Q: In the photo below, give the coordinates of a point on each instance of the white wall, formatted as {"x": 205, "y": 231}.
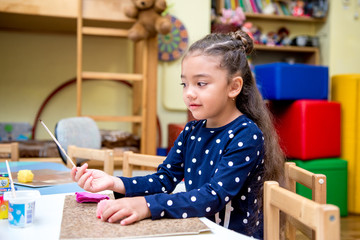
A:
{"x": 344, "y": 37}
{"x": 33, "y": 64}
{"x": 195, "y": 15}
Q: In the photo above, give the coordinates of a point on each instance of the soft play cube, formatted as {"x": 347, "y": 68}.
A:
{"x": 335, "y": 170}
{"x": 283, "y": 81}
{"x": 308, "y": 129}
{"x": 345, "y": 89}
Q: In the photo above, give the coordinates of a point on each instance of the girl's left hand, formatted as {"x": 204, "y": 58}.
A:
{"x": 125, "y": 210}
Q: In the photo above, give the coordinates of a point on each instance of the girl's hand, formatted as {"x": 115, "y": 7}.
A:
{"x": 93, "y": 180}
{"x": 125, "y": 210}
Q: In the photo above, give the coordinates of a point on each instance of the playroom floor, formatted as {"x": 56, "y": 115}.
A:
{"x": 350, "y": 227}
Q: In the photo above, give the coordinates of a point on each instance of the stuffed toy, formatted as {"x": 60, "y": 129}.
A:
{"x": 298, "y": 9}
{"x": 149, "y": 21}
{"x": 235, "y": 17}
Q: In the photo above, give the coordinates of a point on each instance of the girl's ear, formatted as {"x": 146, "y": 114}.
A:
{"x": 235, "y": 86}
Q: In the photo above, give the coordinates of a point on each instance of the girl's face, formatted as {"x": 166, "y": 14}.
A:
{"x": 206, "y": 92}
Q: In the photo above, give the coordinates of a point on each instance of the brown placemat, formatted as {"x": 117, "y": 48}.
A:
{"x": 79, "y": 222}
{"x": 45, "y": 177}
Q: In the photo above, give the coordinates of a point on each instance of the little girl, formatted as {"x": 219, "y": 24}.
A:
{"x": 224, "y": 158}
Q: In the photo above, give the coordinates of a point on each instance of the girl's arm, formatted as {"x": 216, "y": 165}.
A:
{"x": 168, "y": 175}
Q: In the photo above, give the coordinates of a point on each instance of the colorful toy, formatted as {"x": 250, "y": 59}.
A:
{"x": 235, "y": 17}
{"x": 308, "y": 129}
{"x": 4, "y": 206}
{"x": 269, "y": 8}
{"x": 275, "y": 85}
{"x": 298, "y": 9}
{"x": 336, "y": 171}
{"x": 283, "y": 36}
{"x": 271, "y": 38}
{"x": 247, "y": 27}
{"x": 149, "y": 21}
{"x": 25, "y": 176}
{"x": 345, "y": 89}
{"x": 4, "y": 187}
{"x": 173, "y": 45}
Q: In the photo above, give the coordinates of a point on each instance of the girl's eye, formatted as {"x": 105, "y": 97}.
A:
{"x": 201, "y": 84}
{"x": 183, "y": 84}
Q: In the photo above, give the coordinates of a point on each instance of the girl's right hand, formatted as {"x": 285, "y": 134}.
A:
{"x": 94, "y": 180}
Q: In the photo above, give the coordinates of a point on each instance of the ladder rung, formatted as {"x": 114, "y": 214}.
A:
{"x": 136, "y": 119}
{"x": 115, "y": 76}
{"x": 105, "y": 31}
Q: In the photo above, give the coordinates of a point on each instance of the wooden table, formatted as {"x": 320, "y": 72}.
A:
{"x": 48, "y": 217}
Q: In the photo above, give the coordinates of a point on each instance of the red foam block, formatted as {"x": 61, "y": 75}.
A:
{"x": 174, "y": 129}
{"x": 308, "y": 129}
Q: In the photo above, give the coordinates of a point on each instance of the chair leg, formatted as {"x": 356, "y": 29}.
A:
{"x": 127, "y": 171}
{"x": 109, "y": 163}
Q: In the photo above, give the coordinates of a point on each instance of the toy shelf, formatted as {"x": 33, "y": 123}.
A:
{"x": 297, "y": 26}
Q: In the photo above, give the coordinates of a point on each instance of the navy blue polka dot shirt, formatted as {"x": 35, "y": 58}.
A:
{"x": 222, "y": 169}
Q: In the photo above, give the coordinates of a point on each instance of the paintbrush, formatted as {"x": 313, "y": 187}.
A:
{"x": 11, "y": 180}
{"x": 57, "y": 143}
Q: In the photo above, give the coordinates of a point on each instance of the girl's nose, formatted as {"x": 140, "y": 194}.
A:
{"x": 190, "y": 93}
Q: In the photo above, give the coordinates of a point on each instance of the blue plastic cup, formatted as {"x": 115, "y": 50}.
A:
{"x": 22, "y": 207}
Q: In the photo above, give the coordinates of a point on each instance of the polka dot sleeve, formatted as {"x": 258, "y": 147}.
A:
{"x": 168, "y": 175}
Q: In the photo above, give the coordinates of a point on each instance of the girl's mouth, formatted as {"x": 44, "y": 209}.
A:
{"x": 194, "y": 106}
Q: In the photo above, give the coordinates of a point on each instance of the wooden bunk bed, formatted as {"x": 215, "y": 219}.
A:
{"x": 144, "y": 77}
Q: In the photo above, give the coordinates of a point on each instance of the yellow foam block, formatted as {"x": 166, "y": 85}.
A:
{"x": 25, "y": 176}
{"x": 345, "y": 90}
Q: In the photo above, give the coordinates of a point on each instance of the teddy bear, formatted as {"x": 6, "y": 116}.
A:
{"x": 148, "y": 17}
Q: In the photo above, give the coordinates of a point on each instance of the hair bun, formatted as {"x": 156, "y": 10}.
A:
{"x": 246, "y": 41}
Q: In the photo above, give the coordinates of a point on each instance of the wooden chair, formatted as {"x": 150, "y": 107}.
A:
{"x": 107, "y": 156}
{"x": 135, "y": 159}
{"x": 324, "y": 219}
{"x": 12, "y": 149}
{"x": 315, "y": 182}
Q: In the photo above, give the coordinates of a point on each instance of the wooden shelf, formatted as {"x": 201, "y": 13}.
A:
{"x": 266, "y": 54}
{"x": 286, "y": 48}
{"x": 273, "y": 17}
{"x": 60, "y": 15}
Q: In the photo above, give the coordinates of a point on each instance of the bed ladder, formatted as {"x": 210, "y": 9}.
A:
{"x": 141, "y": 119}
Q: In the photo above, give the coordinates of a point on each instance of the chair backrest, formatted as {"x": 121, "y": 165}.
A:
{"x": 324, "y": 219}
{"x": 82, "y": 132}
{"x": 315, "y": 182}
{"x": 135, "y": 159}
{"x": 12, "y": 149}
{"x": 106, "y": 156}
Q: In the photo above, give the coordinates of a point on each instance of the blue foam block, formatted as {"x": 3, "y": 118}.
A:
{"x": 283, "y": 81}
